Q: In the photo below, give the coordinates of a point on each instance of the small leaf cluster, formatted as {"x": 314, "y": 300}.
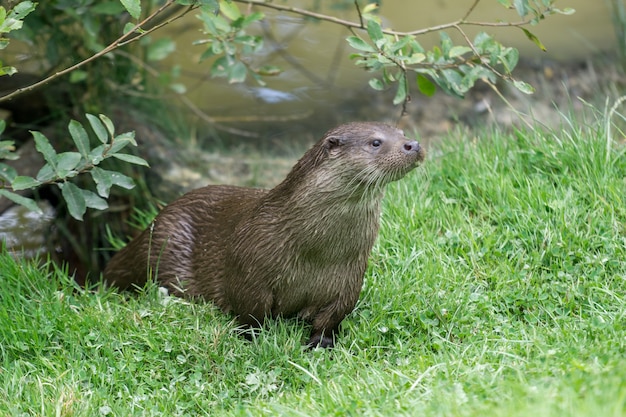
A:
{"x": 61, "y": 167}
{"x": 537, "y": 9}
{"x": 229, "y": 43}
{"x": 453, "y": 68}
{"x": 13, "y": 20}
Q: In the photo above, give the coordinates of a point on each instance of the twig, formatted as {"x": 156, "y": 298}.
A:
{"x": 477, "y": 54}
{"x": 508, "y": 103}
{"x": 358, "y": 10}
{"x": 350, "y": 24}
{"x": 470, "y": 10}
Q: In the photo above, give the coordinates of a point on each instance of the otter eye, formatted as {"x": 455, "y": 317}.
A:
{"x": 376, "y": 143}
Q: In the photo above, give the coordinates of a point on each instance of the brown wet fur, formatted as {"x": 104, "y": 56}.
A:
{"x": 300, "y": 249}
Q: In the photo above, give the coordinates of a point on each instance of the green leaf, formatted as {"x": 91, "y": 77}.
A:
{"x": 524, "y": 87}
{"x": 178, "y": 88}
{"x": 269, "y": 70}
{"x": 510, "y": 59}
{"x": 93, "y": 201}
{"x": 425, "y": 86}
{"x": 46, "y": 174}
{"x": 130, "y": 158}
{"x": 7, "y": 173}
{"x": 374, "y": 30}
{"x": 103, "y": 180}
{"x": 389, "y": 77}
{"x": 22, "y": 183}
{"x": 129, "y": 27}
{"x": 77, "y": 76}
{"x": 376, "y": 84}
{"x": 230, "y": 10}
{"x": 401, "y": 92}
{"x": 7, "y": 150}
{"x": 160, "y": 49}
{"x": 415, "y": 58}
{"x": 120, "y": 142}
{"x": 369, "y": 8}
{"x": 96, "y": 155}
{"x": 108, "y": 123}
{"x": 457, "y": 51}
{"x": 403, "y": 42}
{"x": 251, "y": 18}
{"x": 446, "y": 43}
{"x": 452, "y": 76}
{"x": 220, "y": 67}
{"x": 521, "y": 6}
{"x": 73, "y": 196}
{"x": 237, "y": 73}
{"x": 14, "y": 19}
{"x": 67, "y": 162}
{"x": 4, "y": 70}
{"x": 43, "y": 146}
{"x": 98, "y": 128}
{"x": 505, "y": 3}
{"x": 449, "y": 81}
{"x": 359, "y": 44}
{"x": 534, "y": 39}
{"x": 567, "y": 11}
{"x": 80, "y": 137}
{"x": 211, "y": 6}
{"x": 107, "y": 8}
{"x": 22, "y": 9}
{"x": 133, "y": 7}
{"x": 18, "y": 199}
{"x": 122, "y": 180}
{"x": 129, "y": 136}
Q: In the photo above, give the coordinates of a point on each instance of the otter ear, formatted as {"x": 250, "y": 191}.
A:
{"x": 333, "y": 142}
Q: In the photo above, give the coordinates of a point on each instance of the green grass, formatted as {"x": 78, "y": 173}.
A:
{"x": 497, "y": 288}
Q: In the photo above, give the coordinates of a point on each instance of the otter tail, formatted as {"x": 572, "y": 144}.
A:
{"x": 130, "y": 267}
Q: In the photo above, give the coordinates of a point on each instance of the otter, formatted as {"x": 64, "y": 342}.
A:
{"x": 299, "y": 249}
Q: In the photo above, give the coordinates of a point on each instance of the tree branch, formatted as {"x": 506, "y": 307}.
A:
{"x": 355, "y": 25}
{"x": 137, "y": 32}
{"x": 121, "y": 41}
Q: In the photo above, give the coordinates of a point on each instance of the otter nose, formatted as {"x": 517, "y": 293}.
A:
{"x": 412, "y": 146}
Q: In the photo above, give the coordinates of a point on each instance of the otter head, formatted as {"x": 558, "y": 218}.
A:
{"x": 353, "y": 158}
{"x": 372, "y": 154}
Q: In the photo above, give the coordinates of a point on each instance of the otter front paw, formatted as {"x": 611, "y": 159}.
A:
{"x": 321, "y": 340}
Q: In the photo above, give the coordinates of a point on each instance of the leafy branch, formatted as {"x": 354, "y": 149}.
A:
{"x": 522, "y": 7}
{"x": 13, "y": 20}
{"x": 230, "y": 45}
{"x": 132, "y": 34}
{"x": 454, "y": 68}
{"x": 60, "y": 167}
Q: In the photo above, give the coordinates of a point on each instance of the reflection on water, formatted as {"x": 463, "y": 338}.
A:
{"x": 269, "y": 95}
{"x": 24, "y": 232}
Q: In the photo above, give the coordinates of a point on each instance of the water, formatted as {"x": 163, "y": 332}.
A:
{"x": 25, "y": 232}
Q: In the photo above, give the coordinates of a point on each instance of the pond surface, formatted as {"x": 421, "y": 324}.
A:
{"x": 325, "y": 75}
{"x": 25, "y": 232}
